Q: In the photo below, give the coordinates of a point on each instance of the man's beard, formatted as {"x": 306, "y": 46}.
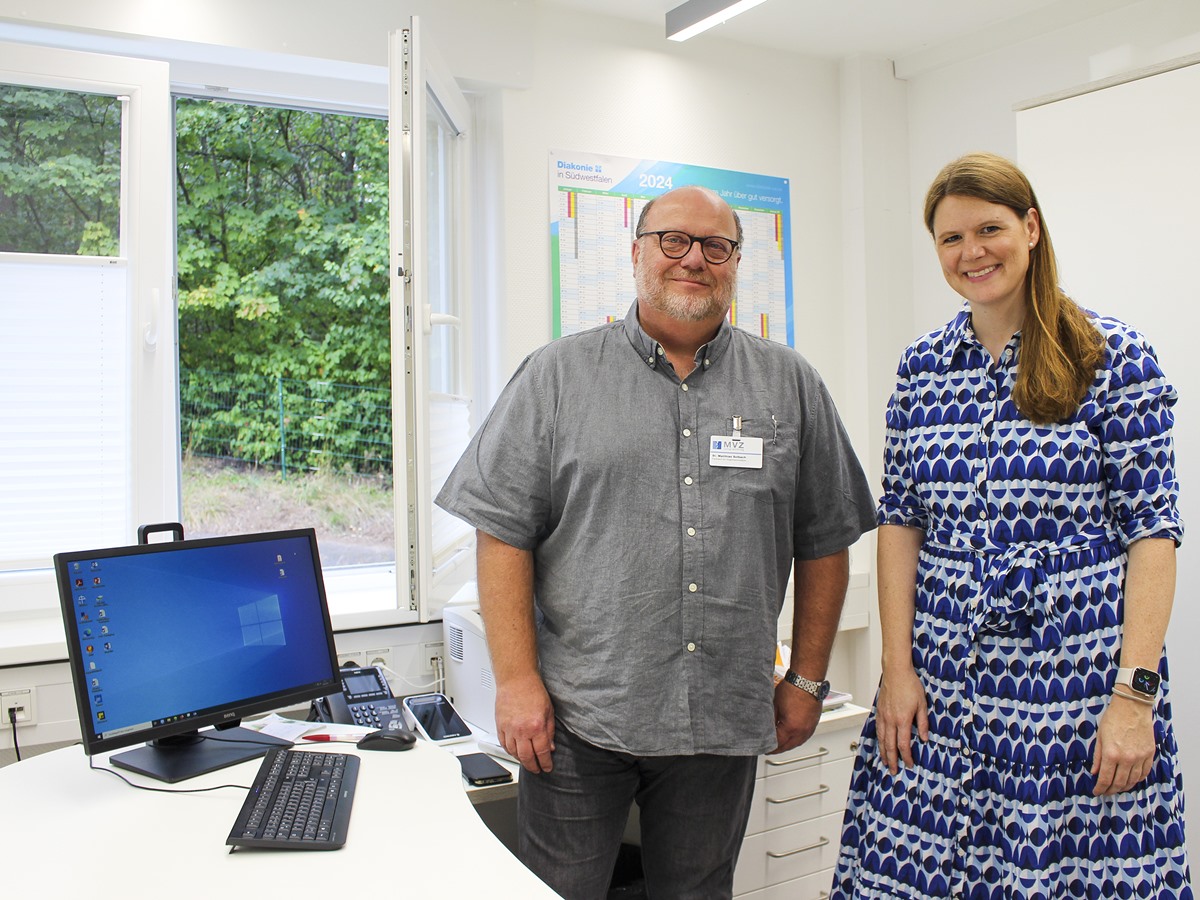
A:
{"x": 655, "y": 290}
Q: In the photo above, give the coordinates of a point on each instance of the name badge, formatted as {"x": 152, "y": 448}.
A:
{"x": 735, "y": 452}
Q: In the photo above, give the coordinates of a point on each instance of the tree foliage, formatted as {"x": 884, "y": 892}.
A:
{"x": 283, "y": 243}
{"x": 282, "y": 236}
{"x": 60, "y": 171}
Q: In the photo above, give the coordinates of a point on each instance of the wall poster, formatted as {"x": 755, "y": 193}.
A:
{"x": 595, "y": 202}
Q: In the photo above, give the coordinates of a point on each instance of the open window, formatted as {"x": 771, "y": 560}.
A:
{"x": 421, "y": 405}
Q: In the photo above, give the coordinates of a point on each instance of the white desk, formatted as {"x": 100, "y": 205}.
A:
{"x": 76, "y": 833}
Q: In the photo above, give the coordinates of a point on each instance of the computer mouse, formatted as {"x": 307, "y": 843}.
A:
{"x": 388, "y": 740}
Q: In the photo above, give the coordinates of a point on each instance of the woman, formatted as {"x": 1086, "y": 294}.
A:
{"x": 1021, "y": 742}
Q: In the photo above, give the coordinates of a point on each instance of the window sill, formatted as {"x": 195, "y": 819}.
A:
{"x": 32, "y": 638}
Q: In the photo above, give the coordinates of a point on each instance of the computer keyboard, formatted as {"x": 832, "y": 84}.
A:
{"x": 300, "y": 800}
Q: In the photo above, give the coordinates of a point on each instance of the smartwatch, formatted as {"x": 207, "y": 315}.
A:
{"x": 819, "y": 689}
{"x": 1139, "y": 680}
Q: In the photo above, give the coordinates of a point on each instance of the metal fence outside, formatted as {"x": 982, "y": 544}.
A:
{"x": 291, "y": 424}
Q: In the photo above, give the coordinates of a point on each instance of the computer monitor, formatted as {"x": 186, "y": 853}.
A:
{"x": 167, "y": 639}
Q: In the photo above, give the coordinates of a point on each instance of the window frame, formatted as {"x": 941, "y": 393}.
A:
{"x": 146, "y": 244}
{"x": 419, "y": 77}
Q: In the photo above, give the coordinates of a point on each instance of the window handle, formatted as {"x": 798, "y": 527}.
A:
{"x": 432, "y": 318}
{"x": 150, "y": 327}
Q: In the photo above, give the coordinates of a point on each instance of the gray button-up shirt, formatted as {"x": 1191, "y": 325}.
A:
{"x": 659, "y": 577}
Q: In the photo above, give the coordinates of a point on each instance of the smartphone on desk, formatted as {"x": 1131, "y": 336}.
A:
{"x": 435, "y": 719}
{"x": 480, "y": 769}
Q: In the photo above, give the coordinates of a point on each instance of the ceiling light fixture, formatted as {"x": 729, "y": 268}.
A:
{"x": 695, "y": 16}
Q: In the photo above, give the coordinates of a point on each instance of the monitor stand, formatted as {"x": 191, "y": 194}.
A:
{"x": 195, "y": 753}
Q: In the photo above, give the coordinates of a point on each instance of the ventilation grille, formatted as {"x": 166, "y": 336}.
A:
{"x": 456, "y": 643}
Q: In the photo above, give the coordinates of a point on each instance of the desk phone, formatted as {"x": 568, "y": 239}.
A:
{"x": 365, "y": 700}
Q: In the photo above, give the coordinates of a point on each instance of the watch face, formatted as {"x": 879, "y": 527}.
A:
{"x": 1145, "y": 681}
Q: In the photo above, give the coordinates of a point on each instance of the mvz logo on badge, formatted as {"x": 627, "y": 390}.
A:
{"x": 731, "y": 444}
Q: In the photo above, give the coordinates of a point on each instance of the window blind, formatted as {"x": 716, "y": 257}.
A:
{"x": 64, "y": 406}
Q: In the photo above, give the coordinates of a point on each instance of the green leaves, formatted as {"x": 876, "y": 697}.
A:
{"x": 283, "y": 243}
{"x": 60, "y": 171}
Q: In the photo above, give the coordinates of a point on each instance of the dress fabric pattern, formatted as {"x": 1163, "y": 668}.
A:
{"x": 1017, "y": 636}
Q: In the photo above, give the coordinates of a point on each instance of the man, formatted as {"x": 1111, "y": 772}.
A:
{"x": 641, "y": 491}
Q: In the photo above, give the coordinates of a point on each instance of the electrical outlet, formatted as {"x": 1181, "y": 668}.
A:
{"x": 380, "y": 657}
{"x": 22, "y": 700}
{"x": 430, "y": 651}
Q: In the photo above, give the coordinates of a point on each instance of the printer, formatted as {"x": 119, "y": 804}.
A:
{"x": 469, "y": 681}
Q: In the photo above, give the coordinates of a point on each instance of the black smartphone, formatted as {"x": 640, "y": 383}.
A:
{"x": 480, "y": 769}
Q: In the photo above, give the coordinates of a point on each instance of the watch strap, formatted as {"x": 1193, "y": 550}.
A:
{"x": 819, "y": 689}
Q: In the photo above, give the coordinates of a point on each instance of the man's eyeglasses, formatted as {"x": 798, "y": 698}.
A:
{"x": 678, "y": 244}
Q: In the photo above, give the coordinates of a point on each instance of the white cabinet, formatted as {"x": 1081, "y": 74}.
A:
{"x": 795, "y": 825}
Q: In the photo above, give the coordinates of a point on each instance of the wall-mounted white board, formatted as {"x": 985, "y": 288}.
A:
{"x": 1117, "y": 172}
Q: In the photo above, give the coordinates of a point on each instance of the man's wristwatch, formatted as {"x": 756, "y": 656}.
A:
{"x": 1140, "y": 681}
{"x": 819, "y": 689}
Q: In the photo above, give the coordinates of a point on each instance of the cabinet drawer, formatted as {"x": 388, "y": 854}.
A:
{"x": 790, "y": 796}
{"x": 783, "y": 854}
{"x": 827, "y": 745}
{"x": 809, "y": 887}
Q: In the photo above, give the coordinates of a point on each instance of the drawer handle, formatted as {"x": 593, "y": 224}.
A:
{"x": 817, "y": 846}
{"x": 799, "y": 759}
{"x": 823, "y": 789}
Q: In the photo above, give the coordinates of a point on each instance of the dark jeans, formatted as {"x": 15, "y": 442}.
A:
{"x": 693, "y": 814}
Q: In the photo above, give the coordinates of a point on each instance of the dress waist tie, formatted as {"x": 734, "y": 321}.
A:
{"x": 1016, "y": 598}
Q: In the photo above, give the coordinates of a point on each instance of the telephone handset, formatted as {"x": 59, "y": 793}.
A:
{"x": 365, "y": 699}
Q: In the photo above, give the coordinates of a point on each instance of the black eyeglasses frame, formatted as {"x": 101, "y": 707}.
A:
{"x": 733, "y": 245}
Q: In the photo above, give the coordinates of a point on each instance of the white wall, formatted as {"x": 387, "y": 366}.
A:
{"x": 597, "y": 86}
{"x": 969, "y": 105}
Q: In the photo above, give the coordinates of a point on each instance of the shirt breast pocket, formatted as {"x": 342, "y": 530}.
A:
{"x": 775, "y": 482}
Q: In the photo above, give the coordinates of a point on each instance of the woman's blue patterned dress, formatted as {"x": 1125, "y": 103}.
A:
{"x": 1017, "y": 635}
